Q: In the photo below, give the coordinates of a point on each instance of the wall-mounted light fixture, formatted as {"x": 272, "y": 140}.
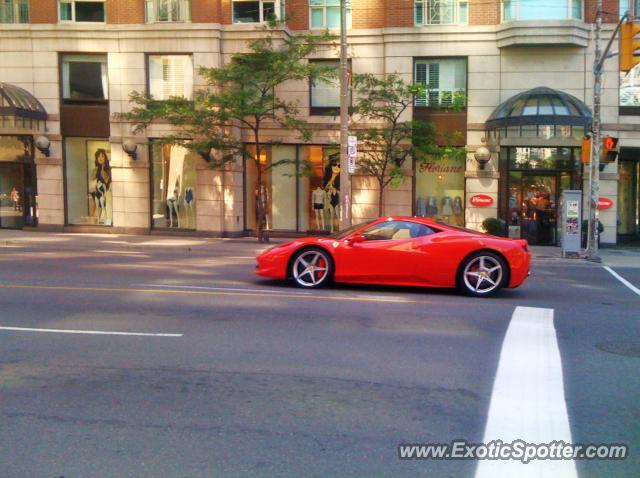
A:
{"x": 483, "y": 156}
{"x": 43, "y": 144}
{"x": 130, "y": 147}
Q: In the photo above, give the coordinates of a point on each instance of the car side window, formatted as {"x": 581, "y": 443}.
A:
{"x": 396, "y": 230}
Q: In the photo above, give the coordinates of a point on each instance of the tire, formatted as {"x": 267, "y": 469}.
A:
{"x": 482, "y": 274}
{"x": 311, "y": 268}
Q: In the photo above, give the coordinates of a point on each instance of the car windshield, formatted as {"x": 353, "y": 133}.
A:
{"x": 346, "y": 232}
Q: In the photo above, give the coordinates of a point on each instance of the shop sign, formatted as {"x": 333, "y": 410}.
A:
{"x": 604, "y": 203}
{"x": 481, "y": 200}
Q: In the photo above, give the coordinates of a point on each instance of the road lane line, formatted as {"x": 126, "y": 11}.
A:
{"x": 622, "y": 279}
{"x": 215, "y": 293}
{"x": 87, "y": 332}
{"x": 528, "y": 402}
{"x": 266, "y": 291}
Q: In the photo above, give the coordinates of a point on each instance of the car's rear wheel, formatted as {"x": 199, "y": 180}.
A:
{"x": 482, "y": 274}
{"x": 311, "y": 268}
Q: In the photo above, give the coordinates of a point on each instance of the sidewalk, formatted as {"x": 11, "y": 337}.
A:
{"x": 618, "y": 256}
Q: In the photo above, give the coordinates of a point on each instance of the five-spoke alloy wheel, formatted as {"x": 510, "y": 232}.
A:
{"x": 311, "y": 268}
{"x": 482, "y": 274}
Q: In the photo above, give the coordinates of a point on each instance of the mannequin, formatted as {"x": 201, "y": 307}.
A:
{"x": 447, "y": 207}
{"x": 333, "y": 196}
{"x": 317, "y": 200}
{"x": 101, "y": 182}
{"x": 432, "y": 206}
{"x": 189, "y": 198}
{"x": 172, "y": 204}
{"x": 421, "y": 206}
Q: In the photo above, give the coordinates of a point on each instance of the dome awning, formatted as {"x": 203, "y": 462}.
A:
{"x": 540, "y": 106}
{"x": 18, "y": 102}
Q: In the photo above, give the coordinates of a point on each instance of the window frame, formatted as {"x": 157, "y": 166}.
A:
{"x": 73, "y": 11}
{"x": 71, "y": 101}
{"x": 183, "y": 5}
{"x": 349, "y": 14}
{"x": 148, "y": 72}
{"x": 424, "y": 6}
{"x": 16, "y": 9}
{"x": 326, "y": 110}
{"x": 278, "y": 8}
{"x": 428, "y": 60}
{"x": 516, "y": 15}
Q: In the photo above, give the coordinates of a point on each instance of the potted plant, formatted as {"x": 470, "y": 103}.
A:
{"x": 494, "y": 226}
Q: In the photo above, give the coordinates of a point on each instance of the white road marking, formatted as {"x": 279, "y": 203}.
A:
{"x": 105, "y": 251}
{"x": 230, "y": 289}
{"x": 88, "y": 332}
{"x": 528, "y": 402}
{"x": 622, "y": 279}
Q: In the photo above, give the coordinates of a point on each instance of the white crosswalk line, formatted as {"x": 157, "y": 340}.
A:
{"x": 528, "y": 402}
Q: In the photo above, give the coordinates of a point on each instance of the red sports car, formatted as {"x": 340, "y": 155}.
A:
{"x": 405, "y": 251}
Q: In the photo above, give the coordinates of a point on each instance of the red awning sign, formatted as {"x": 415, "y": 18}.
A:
{"x": 481, "y": 200}
{"x": 604, "y": 203}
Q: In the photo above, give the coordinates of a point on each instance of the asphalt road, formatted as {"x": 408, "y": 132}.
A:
{"x": 262, "y": 379}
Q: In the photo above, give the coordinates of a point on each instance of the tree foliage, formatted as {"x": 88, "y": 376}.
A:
{"x": 243, "y": 93}
{"x": 387, "y": 138}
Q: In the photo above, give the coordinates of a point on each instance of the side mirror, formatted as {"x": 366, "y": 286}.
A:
{"x": 356, "y": 239}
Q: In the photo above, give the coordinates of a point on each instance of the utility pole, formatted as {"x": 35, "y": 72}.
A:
{"x": 345, "y": 181}
{"x": 591, "y": 253}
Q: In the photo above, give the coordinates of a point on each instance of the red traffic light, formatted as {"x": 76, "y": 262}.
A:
{"x": 609, "y": 142}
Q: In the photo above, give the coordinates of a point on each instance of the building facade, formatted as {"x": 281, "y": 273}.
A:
{"x": 523, "y": 67}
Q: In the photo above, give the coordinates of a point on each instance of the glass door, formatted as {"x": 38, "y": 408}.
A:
{"x": 539, "y": 208}
{"x": 628, "y": 199}
{"x": 11, "y": 196}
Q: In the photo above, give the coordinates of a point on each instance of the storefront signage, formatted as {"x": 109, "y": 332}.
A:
{"x": 481, "y": 200}
{"x": 604, "y": 203}
{"x": 440, "y": 167}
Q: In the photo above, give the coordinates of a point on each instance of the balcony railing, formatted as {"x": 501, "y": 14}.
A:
{"x": 14, "y": 11}
{"x": 167, "y": 10}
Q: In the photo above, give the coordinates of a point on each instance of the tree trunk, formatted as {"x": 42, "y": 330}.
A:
{"x": 261, "y": 198}
{"x": 381, "y": 201}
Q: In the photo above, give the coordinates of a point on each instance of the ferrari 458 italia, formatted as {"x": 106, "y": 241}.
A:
{"x": 402, "y": 251}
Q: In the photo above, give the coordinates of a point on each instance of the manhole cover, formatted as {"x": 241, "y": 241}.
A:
{"x": 627, "y": 349}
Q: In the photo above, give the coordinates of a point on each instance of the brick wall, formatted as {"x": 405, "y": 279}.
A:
{"x": 205, "y": 11}
{"x": 484, "y": 12}
{"x": 399, "y": 13}
{"x": 609, "y": 7}
{"x": 43, "y": 11}
{"x": 125, "y": 12}
{"x": 368, "y": 13}
{"x": 298, "y": 14}
{"x": 225, "y": 12}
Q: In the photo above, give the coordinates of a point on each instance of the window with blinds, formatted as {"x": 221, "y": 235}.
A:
{"x": 167, "y": 10}
{"x": 445, "y": 81}
{"x": 325, "y": 94}
{"x": 170, "y": 76}
{"x": 441, "y": 12}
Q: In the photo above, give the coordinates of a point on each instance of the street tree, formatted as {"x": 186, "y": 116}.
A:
{"x": 386, "y": 137}
{"x": 242, "y": 94}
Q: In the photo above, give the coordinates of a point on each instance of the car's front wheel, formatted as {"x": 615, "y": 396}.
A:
{"x": 482, "y": 274}
{"x": 311, "y": 268}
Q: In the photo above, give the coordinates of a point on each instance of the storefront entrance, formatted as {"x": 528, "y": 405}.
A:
{"x": 17, "y": 183}
{"x": 628, "y": 200}
{"x": 537, "y": 178}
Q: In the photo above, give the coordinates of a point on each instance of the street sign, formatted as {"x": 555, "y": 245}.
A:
{"x": 352, "y": 153}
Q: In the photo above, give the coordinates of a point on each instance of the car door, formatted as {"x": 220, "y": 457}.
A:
{"x": 390, "y": 253}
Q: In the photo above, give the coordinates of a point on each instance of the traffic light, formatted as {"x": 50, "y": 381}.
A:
{"x": 629, "y": 46}
{"x": 609, "y": 149}
{"x": 585, "y": 152}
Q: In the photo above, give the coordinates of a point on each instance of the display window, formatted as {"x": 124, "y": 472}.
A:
{"x": 88, "y": 181}
{"x": 173, "y": 198}
{"x": 301, "y": 188}
{"x": 319, "y": 189}
{"x": 440, "y": 190}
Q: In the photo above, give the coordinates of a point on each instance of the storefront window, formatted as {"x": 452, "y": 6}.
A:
{"x": 17, "y": 195}
{"x": 630, "y": 87}
{"x": 173, "y": 171}
{"x": 440, "y": 190}
{"x": 89, "y": 181}
{"x": 628, "y": 198}
{"x": 541, "y": 158}
{"x": 319, "y": 189}
{"x": 279, "y": 179}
